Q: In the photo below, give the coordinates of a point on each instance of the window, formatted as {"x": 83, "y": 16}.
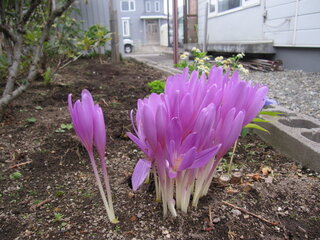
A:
{"x": 148, "y": 6}
{"x": 157, "y": 6}
{"x": 212, "y": 6}
{"x": 126, "y": 27}
{"x": 225, "y": 5}
{"x": 222, "y": 6}
{"x": 128, "y": 5}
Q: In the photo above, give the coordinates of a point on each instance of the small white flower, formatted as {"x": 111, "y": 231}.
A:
{"x": 218, "y": 59}
{"x": 183, "y": 56}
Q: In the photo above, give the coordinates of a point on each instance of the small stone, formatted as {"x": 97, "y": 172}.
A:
{"x": 216, "y": 220}
{"x": 246, "y": 216}
{"x": 165, "y": 232}
{"x": 236, "y": 212}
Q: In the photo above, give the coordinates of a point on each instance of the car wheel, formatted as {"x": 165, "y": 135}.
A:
{"x": 128, "y": 48}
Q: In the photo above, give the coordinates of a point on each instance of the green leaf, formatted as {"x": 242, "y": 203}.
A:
{"x": 255, "y": 126}
{"x": 31, "y": 120}
{"x": 259, "y": 120}
{"x": 269, "y": 113}
{"x": 39, "y": 108}
{"x": 244, "y": 132}
{"x": 67, "y": 126}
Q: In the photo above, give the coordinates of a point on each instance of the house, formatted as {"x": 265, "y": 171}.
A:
{"x": 140, "y": 22}
{"x": 287, "y": 29}
{"x": 145, "y": 22}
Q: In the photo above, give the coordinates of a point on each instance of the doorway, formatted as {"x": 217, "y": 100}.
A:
{"x": 153, "y": 35}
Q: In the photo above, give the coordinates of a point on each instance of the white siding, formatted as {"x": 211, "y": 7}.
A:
{"x": 279, "y": 25}
{"x": 285, "y": 30}
{"x": 238, "y": 26}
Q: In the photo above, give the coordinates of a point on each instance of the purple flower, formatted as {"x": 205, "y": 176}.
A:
{"x": 88, "y": 122}
{"x": 185, "y": 132}
{"x": 269, "y": 101}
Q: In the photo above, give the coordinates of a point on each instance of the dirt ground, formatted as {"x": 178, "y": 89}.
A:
{"x": 55, "y": 196}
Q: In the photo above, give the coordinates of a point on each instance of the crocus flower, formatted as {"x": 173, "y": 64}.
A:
{"x": 185, "y": 132}
{"x": 269, "y": 101}
{"x": 88, "y": 122}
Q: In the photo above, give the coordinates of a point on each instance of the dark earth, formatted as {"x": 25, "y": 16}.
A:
{"x": 55, "y": 196}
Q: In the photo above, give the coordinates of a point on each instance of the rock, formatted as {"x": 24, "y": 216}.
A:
{"x": 216, "y": 220}
{"x": 236, "y": 212}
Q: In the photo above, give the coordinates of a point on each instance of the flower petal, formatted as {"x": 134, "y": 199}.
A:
{"x": 140, "y": 173}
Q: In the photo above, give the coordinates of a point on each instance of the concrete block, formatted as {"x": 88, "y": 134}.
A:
{"x": 295, "y": 135}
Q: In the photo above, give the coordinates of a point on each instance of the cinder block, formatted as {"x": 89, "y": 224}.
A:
{"x": 295, "y": 135}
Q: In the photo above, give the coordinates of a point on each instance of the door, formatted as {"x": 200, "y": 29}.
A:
{"x": 153, "y": 35}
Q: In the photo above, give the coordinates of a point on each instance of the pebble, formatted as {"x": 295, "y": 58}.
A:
{"x": 216, "y": 220}
{"x": 236, "y": 212}
{"x": 283, "y": 84}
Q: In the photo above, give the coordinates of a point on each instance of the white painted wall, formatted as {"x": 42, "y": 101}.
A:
{"x": 280, "y": 24}
{"x": 293, "y": 22}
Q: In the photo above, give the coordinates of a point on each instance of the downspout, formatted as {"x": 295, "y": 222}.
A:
{"x": 295, "y": 24}
{"x": 175, "y": 31}
{"x": 205, "y": 40}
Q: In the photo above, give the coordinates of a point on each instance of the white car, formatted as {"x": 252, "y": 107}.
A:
{"x": 128, "y": 45}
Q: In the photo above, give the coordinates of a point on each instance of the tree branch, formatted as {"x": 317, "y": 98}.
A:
{"x": 8, "y": 33}
{"x": 5, "y": 100}
{"x": 34, "y": 4}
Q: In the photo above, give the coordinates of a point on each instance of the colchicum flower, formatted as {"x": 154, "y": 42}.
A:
{"x": 185, "y": 132}
{"x": 88, "y": 121}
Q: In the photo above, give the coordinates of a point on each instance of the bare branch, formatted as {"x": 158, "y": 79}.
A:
{"x": 9, "y": 97}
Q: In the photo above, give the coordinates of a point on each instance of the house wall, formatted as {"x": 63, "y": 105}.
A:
{"x": 284, "y": 29}
{"x": 231, "y": 27}
{"x": 91, "y": 13}
{"x": 270, "y": 20}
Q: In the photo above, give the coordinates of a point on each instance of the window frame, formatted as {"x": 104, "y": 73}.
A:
{"x": 157, "y": 9}
{"x": 125, "y": 30}
{"x": 148, "y": 6}
{"x": 243, "y": 5}
{"x": 133, "y": 2}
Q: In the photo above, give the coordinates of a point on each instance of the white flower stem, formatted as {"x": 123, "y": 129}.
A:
{"x": 110, "y": 213}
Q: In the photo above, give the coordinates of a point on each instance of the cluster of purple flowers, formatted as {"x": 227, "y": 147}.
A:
{"x": 186, "y": 131}
{"x": 183, "y": 132}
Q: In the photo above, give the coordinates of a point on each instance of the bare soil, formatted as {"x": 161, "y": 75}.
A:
{"x": 56, "y": 196}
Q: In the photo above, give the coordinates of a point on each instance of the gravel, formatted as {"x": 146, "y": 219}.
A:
{"x": 296, "y": 90}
